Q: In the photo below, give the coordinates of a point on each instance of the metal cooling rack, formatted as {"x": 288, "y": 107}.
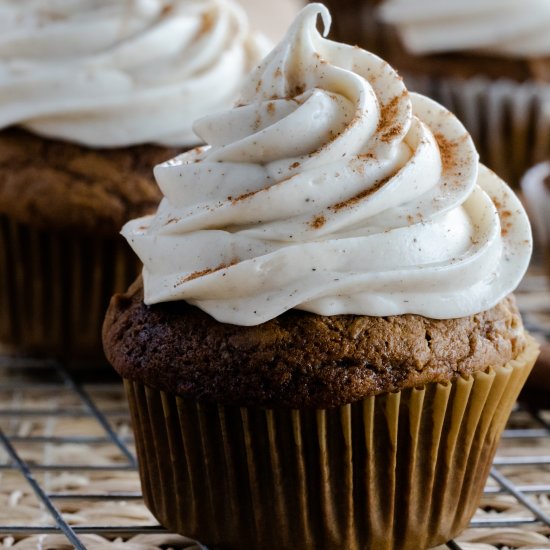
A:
{"x": 48, "y": 413}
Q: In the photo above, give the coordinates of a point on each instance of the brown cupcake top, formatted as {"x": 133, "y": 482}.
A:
{"x": 464, "y": 65}
{"x": 300, "y": 359}
{"x": 60, "y": 185}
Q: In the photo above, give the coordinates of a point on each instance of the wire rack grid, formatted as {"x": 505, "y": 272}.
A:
{"x": 68, "y": 475}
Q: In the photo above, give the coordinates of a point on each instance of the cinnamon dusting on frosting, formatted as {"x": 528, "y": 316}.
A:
{"x": 207, "y": 22}
{"x": 387, "y": 127}
{"x": 317, "y": 222}
{"x": 447, "y": 150}
{"x": 206, "y": 271}
{"x": 505, "y": 216}
{"x": 166, "y": 10}
{"x": 242, "y": 197}
{"x": 361, "y": 196}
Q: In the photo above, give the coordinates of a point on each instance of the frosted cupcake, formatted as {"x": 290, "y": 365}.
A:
{"x": 323, "y": 340}
{"x": 83, "y": 86}
{"x": 535, "y": 186}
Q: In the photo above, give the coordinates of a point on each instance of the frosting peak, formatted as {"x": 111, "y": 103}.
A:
{"x": 331, "y": 189}
{"x": 110, "y": 74}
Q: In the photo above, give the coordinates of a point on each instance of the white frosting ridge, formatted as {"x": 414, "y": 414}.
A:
{"x": 334, "y": 190}
{"x": 505, "y": 27}
{"x": 113, "y": 73}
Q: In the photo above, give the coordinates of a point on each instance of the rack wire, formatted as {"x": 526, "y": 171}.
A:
{"x": 68, "y": 475}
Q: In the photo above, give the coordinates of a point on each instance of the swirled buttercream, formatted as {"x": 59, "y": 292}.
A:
{"x": 106, "y": 73}
{"x": 331, "y": 189}
{"x": 505, "y": 27}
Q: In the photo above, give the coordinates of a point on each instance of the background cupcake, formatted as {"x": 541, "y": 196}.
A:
{"x": 82, "y": 86}
{"x": 488, "y": 62}
{"x": 535, "y": 187}
{"x": 324, "y": 301}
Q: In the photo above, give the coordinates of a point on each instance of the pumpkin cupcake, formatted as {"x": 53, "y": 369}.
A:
{"x": 93, "y": 95}
{"x": 323, "y": 341}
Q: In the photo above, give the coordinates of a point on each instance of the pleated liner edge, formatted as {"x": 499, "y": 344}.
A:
{"x": 402, "y": 470}
{"x": 56, "y": 286}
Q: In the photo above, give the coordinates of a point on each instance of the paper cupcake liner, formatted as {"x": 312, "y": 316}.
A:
{"x": 401, "y": 470}
{"x": 56, "y": 287}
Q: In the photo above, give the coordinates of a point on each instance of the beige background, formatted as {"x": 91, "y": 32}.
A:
{"x": 272, "y": 17}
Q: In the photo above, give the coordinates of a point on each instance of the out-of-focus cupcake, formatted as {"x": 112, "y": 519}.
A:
{"x": 84, "y": 85}
{"x": 487, "y": 61}
{"x": 535, "y": 186}
{"x": 323, "y": 342}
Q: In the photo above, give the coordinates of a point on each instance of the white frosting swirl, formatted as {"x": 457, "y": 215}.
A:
{"x": 115, "y": 73}
{"x": 505, "y": 27}
{"x": 334, "y": 190}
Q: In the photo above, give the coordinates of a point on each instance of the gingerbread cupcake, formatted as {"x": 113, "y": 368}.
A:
{"x": 323, "y": 341}
{"x": 93, "y": 95}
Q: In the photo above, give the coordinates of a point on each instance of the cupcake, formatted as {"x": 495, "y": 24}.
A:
{"x": 323, "y": 350}
{"x": 488, "y": 62}
{"x": 93, "y": 95}
{"x": 535, "y": 187}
